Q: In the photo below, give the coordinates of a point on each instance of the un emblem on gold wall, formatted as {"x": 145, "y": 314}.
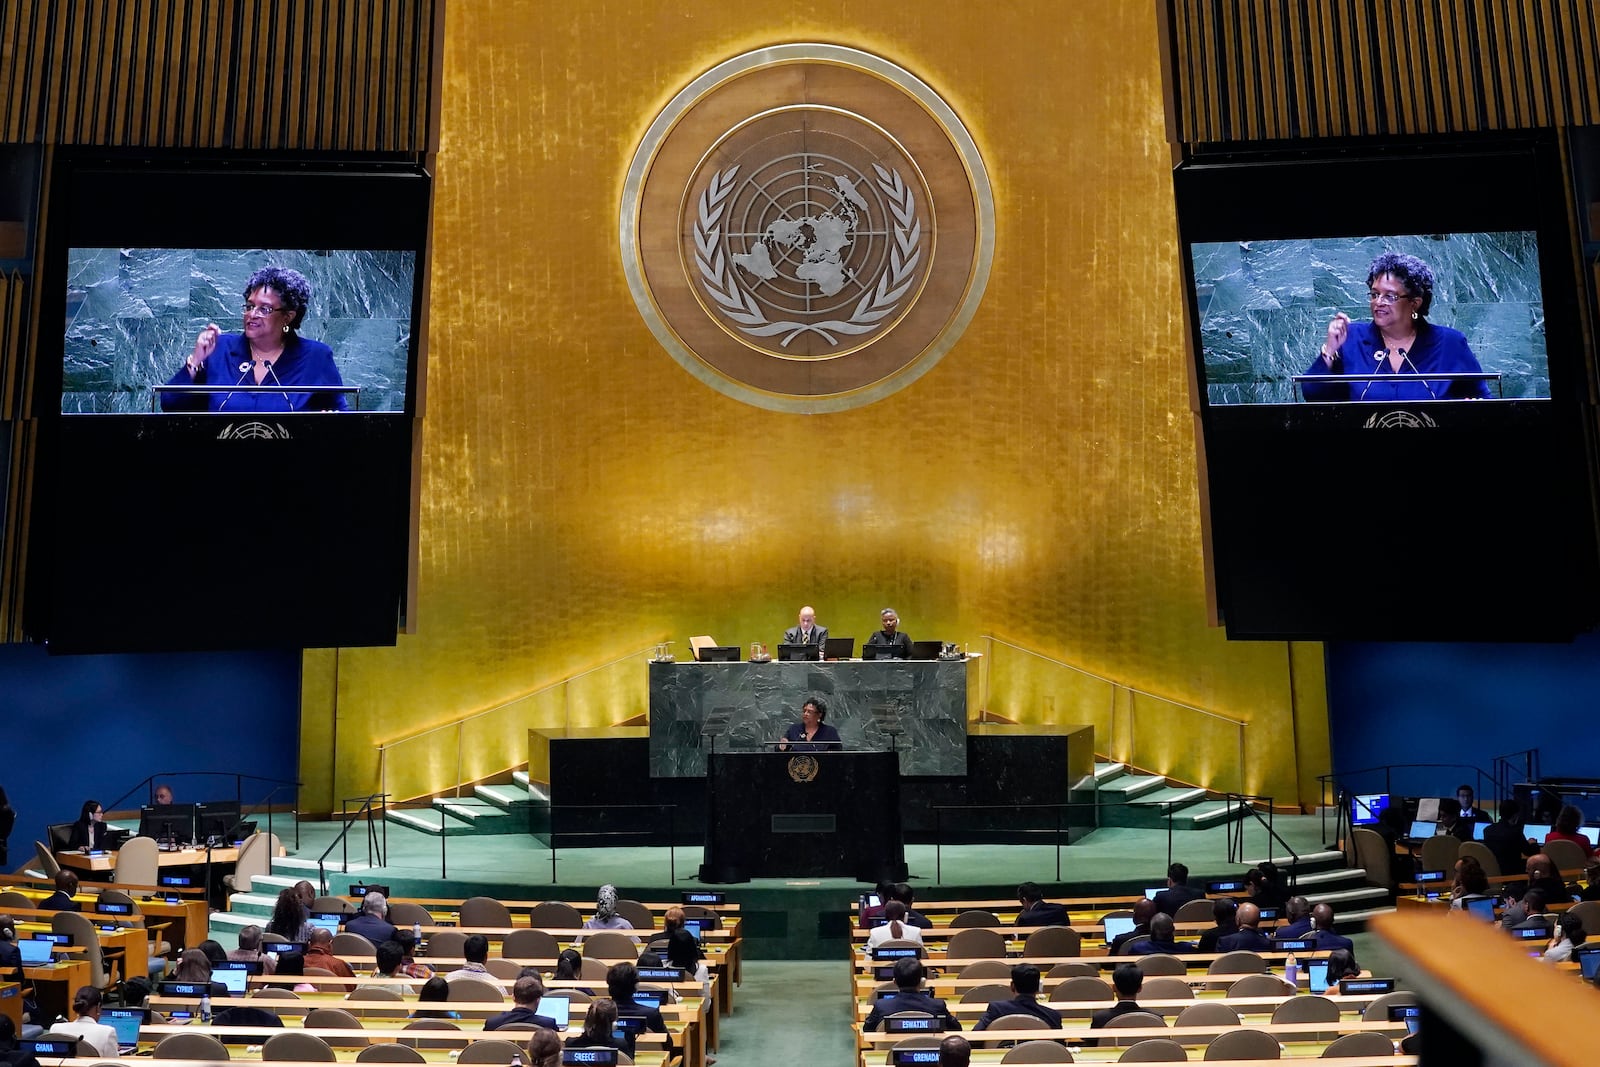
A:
{"x": 807, "y": 228}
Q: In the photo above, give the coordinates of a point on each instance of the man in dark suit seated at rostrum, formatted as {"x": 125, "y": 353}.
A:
{"x": 1036, "y": 911}
{"x": 1025, "y": 986}
{"x": 806, "y": 632}
{"x": 1248, "y": 939}
{"x": 908, "y": 975}
{"x": 1178, "y": 892}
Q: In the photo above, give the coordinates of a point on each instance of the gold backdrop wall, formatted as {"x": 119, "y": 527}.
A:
{"x": 584, "y": 497}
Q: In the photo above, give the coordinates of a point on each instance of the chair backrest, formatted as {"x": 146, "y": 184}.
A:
{"x": 1019, "y": 1022}
{"x": 1037, "y": 1052}
{"x": 1194, "y": 911}
{"x": 986, "y": 993}
{"x": 1372, "y": 856}
{"x": 530, "y": 945}
{"x": 84, "y": 934}
{"x": 1207, "y": 1013}
{"x": 485, "y": 911}
{"x": 294, "y": 1045}
{"x": 501, "y": 967}
{"x": 1378, "y": 1010}
{"x": 1312, "y": 1009}
{"x": 1244, "y": 1045}
{"x": 446, "y": 944}
{"x": 347, "y": 944}
{"x": 1133, "y": 1019}
{"x": 1260, "y": 985}
{"x": 330, "y": 905}
{"x": 190, "y": 1047}
{"x": 1588, "y": 913}
{"x": 1161, "y": 963}
{"x": 1083, "y": 989}
{"x": 1241, "y": 962}
{"x": 490, "y": 1050}
{"x": 47, "y": 859}
{"x": 974, "y": 917}
{"x": 1486, "y": 859}
{"x": 386, "y": 993}
{"x": 138, "y": 862}
{"x": 336, "y": 1019}
{"x": 1053, "y": 941}
{"x": 276, "y": 992}
{"x": 555, "y": 915}
{"x": 707, "y": 917}
{"x": 1064, "y": 970}
{"x": 1155, "y": 1050}
{"x": 610, "y": 945}
{"x": 405, "y": 913}
{"x": 393, "y": 1052}
{"x": 1566, "y": 855}
{"x": 987, "y": 969}
{"x": 1439, "y": 852}
{"x": 1166, "y": 988}
{"x": 636, "y": 913}
{"x": 255, "y": 861}
{"x": 1359, "y": 1045}
{"x": 593, "y": 970}
{"x": 429, "y": 1024}
{"x": 11, "y": 899}
{"x": 475, "y": 991}
{"x": 975, "y": 945}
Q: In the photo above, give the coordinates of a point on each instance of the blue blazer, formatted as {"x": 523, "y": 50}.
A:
{"x": 303, "y": 362}
{"x": 826, "y": 740}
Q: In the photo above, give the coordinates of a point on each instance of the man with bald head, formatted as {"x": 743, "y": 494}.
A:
{"x": 1327, "y": 939}
{"x": 1248, "y": 939}
{"x": 807, "y": 632}
{"x": 1543, "y": 876}
{"x": 1143, "y": 912}
{"x": 319, "y": 953}
{"x": 955, "y": 1051}
{"x": 1162, "y": 940}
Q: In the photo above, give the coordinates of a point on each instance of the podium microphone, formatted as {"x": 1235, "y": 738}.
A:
{"x": 287, "y": 402}
{"x": 1406, "y": 358}
{"x": 244, "y": 372}
{"x": 1379, "y": 356}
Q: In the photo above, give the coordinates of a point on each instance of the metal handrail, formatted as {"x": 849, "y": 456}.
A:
{"x": 1330, "y": 786}
{"x": 459, "y": 725}
{"x": 1116, "y": 687}
{"x": 1246, "y": 802}
{"x": 350, "y": 820}
{"x": 147, "y": 784}
{"x": 938, "y": 827}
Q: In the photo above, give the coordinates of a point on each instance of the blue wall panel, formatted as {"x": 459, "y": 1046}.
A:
{"x": 94, "y": 726}
{"x": 1462, "y": 703}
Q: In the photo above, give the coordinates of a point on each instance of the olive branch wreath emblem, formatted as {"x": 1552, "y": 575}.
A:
{"x": 879, "y": 302}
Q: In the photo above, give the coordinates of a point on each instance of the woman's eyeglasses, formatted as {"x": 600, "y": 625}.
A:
{"x": 1373, "y": 297}
{"x": 265, "y": 309}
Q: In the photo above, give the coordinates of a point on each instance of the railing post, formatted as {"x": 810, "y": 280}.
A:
{"x": 1058, "y": 844}
{"x": 444, "y": 836}
{"x": 938, "y": 846}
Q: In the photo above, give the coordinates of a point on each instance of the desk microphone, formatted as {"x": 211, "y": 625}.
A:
{"x": 1379, "y": 356}
{"x": 1404, "y": 356}
{"x": 268, "y": 364}
{"x": 244, "y": 371}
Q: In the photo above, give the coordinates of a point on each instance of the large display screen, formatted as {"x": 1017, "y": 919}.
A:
{"x": 1264, "y": 309}
{"x": 134, "y": 315}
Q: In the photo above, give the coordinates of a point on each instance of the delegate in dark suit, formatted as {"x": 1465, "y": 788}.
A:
{"x": 1099, "y": 1019}
{"x": 519, "y": 1015}
{"x": 910, "y": 1001}
{"x": 1020, "y": 1006}
{"x": 1246, "y": 940}
{"x": 1168, "y": 901}
{"x": 1327, "y": 941}
{"x": 374, "y": 929}
{"x": 1044, "y": 913}
{"x": 794, "y": 635}
{"x": 1509, "y": 844}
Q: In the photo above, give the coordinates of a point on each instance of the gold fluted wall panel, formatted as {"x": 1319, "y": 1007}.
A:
{"x": 1269, "y": 69}
{"x": 348, "y": 75}
{"x": 584, "y": 497}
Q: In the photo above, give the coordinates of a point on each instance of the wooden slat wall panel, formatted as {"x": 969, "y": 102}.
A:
{"x": 1245, "y": 70}
{"x": 335, "y": 75}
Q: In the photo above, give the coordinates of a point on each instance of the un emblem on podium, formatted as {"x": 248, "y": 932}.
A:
{"x": 807, "y": 228}
{"x": 803, "y": 769}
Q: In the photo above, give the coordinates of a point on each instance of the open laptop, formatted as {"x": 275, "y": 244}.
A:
{"x": 870, "y": 651}
{"x": 326, "y": 920}
{"x": 235, "y": 978}
{"x": 839, "y": 648}
{"x": 1153, "y": 891}
{"x": 556, "y": 1008}
{"x": 1117, "y": 925}
{"x": 35, "y": 951}
{"x": 798, "y": 653}
{"x": 719, "y": 653}
{"x": 926, "y": 649}
{"x": 1537, "y": 830}
{"x": 1588, "y": 963}
{"x": 126, "y": 1022}
{"x": 1482, "y": 908}
{"x": 1422, "y": 829}
{"x": 1317, "y": 975}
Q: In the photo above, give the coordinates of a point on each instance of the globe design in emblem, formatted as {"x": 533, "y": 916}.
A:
{"x": 803, "y": 769}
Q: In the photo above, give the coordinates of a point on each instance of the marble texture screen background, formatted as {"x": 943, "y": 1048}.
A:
{"x": 133, "y": 315}
{"x": 1264, "y": 306}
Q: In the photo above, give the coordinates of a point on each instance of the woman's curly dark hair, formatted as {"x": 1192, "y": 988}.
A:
{"x": 291, "y": 287}
{"x": 1410, "y": 272}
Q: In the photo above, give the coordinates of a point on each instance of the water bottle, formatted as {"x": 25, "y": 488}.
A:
{"x": 205, "y": 1007}
{"x": 1291, "y": 971}
{"x": 516, "y": 1059}
{"x": 416, "y": 933}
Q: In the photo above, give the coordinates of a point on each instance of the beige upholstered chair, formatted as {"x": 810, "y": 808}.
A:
{"x": 1244, "y": 1045}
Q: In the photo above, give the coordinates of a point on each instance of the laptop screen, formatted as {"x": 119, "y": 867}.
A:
{"x": 328, "y": 921}
{"x": 1317, "y": 975}
{"x": 557, "y": 1008}
{"x": 1154, "y": 891}
{"x": 1482, "y": 908}
{"x": 126, "y": 1022}
{"x": 35, "y": 951}
{"x": 1422, "y": 828}
{"x": 1537, "y": 830}
{"x": 693, "y": 926}
{"x": 1478, "y": 828}
{"x": 650, "y": 998}
{"x": 1117, "y": 925}
{"x": 235, "y": 980}
{"x": 1589, "y": 963}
